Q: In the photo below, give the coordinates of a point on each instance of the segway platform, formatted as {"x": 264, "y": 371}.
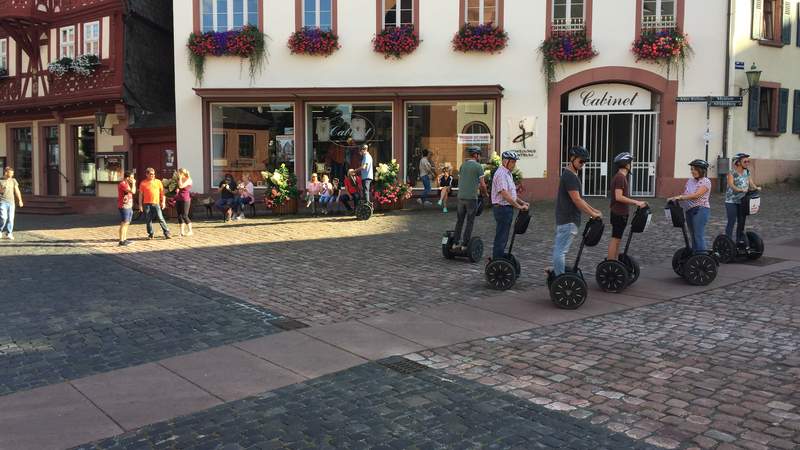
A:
{"x": 502, "y": 273}
{"x": 752, "y": 247}
{"x": 698, "y": 268}
{"x": 616, "y": 275}
{"x": 569, "y": 290}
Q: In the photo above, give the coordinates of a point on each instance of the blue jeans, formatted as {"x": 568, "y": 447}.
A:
{"x": 565, "y": 234}
{"x": 735, "y": 217}
{"x": 696, "y": 220}
{"x": 6, "y": 217}
{"x": 367, "y": 184}
{"x": 426, "y": 184}
{"x": 503, "y": 215}
{"x": 153, "y": 212}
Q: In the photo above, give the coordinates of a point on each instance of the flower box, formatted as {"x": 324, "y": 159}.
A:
{"x": 314, "y": 42}
{"x": 486, "y": 38}
{"x": 669, "y": 47}
{"x": 564, "y": 47}
{"x": 247, "y": 43}
{"x": 396, "y": 42}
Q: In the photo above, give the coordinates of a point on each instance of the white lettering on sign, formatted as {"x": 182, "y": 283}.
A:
{"x": 610, "y": 97}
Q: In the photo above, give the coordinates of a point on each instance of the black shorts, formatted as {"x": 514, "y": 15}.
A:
{"x": 618, "y": 224}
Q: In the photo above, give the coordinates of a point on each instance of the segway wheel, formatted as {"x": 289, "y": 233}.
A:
{"x": 678, "y": 260}
{"x": 725, "y": 248}
{"x": 475, "y": 249}
{"x": 568, "y": 291}
{"x": 447, "y": 243}
{"x": 514, "y": 262}
{"x": 700, "y": 270}
{"x": 612, "y": 276}
{"x": 632, "y": 265}
{"x": 500, "y": 274}
{"x": 756, "y": 246}
{"x": 364, "y": 211}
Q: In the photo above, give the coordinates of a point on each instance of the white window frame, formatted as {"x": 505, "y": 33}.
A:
{"x": 91, "y": 40}
{"x": 481, "y": 11}
{"x": 317, "y": 15}
{"x": 66, "y": 42}
{"x": 569, "y": 23}
{"x": 658, "y": 20}
{"x": 4, "y": 54}
{"x": 397, "y": 16}
{"x": 229, "y": 13}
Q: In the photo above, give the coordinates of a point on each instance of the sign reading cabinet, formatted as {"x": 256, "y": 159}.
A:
{"x": 610, "y": 97}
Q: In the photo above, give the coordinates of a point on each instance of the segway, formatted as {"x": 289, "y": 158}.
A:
{"x": 698, "y": 268}
{"x": 474, "y": 249}
{"x": 502, "y": 272}
{"x": 751, "y": 246}
{"x": 568, "y": 290}
{"x": 616, "y": 275}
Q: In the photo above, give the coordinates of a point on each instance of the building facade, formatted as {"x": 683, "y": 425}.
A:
{"x": 76, "y": 78}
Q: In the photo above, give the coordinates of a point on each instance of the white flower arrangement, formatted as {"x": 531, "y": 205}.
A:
{"x": 85, "y": 64}
{"x": 60, "y": 67}
{"x": 383, "y": 168}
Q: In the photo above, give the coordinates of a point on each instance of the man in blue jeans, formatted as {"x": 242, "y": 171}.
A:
{"x": 426, "y": 174}
{"x": 504, "y": 199}
{"x": 569, "y": 205}
{"x": 366, "y": 170}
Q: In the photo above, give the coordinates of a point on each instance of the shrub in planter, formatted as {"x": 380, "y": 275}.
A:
{"x": 61, "y": 67}
{"x": 313, "y": 41}
{"x": 667, "y": 47}
{"x": 395, "y": 42}
{"x": 564, "y": 47}
{"x": 281, "y": 187}
{"x": 486, "y": 38}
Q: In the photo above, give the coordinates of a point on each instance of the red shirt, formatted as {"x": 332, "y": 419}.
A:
{"x": 353, "y": 188}
{"x": 124, "y": 195}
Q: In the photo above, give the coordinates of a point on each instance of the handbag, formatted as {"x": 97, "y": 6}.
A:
{"x": 641, "y": 219}
{"x": 752, "y": 203}
{"x": 593, "y": 232}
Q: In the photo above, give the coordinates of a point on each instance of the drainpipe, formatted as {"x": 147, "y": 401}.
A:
{"x": 726, "y": 112}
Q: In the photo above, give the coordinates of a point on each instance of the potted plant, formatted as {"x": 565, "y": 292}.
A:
{"x": 668, "y": 47}
{"x": 60, "y": 67}
{"x": 85, "y": 64}
{"x": 170, "y": 191}
{"x": 281, "y": 194}
{"x": 564, "y": 47}
{"x": 395, "y": 42}
{"x": 246, "y": 43}
{"x": 313, "y": 41}
{"x": 388, "y": 192}
{"x": 486, "y": 38}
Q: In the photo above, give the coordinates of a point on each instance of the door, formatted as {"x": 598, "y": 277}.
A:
{"x": 53, "y": 161}
{"x": 644, "y": 148}
{"x": 161, "y": 157}
{"x": 23, "y": 159}
{"x": 591, "y": 131}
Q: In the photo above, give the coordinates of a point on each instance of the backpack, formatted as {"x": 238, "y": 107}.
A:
{"x": 641, "y": 219}
{"x": 593, "y": 232}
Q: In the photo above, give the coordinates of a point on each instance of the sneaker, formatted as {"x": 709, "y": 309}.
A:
{"x": 428, "y": 203}
{"x": 10, "y": 237}
{"x": 419, "y": 200}
{"x": 121, "y": 244}
{"x": 237, "y": 218}
{"x": 149, "y": 237}
{"x": 444, "y": 210}
{"x": 167, "y": 236}
{"x": 190, "y": 233}
{"x": 125, "y": 243}
{"x": 439, "y": 203}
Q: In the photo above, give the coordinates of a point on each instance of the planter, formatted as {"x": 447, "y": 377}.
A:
{"x": 314, "y": 42}
{"x": 485, "y": 38}
{"x": 287, "y": 208}
{"x": 396, "y": 206}
{"x": 396, "y": 42}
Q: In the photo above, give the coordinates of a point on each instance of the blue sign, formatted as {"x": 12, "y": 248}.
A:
{"x": 739, "y": 65}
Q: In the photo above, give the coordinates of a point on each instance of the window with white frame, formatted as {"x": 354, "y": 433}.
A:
{"x": 568, "y": 15}
{"x": 397, "y": 13}
{"x": 318, "y": 14}
{"x": 658, "y": 14}
{"x": 480, "y": 11}
{"x": 3, "y": 56}
{"x": 66, "y": 42}
{"x": 91, "y": 38}
{"x": 224, "y": 15}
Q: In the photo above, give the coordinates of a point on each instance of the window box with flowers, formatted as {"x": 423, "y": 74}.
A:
{"x": 313, "y": 41}
{"x": 246, "y": 43}
{"x": 668, "y": 47}
{"x": 281, "y": 194}
{"x": 395, "y": 42}
{"x": 564, "y": 47}
{"x": 82, "y": 65}
{"x": 388, "y": 192}
{"x": 486, "y": 38}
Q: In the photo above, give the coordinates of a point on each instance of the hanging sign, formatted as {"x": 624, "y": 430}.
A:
{"x": 610, "y": 97}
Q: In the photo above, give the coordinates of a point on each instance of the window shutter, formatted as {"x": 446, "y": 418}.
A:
{"x": 752, "y": 108}
{"x": 783, "y": 110}
{"x": 757, "y": 19}
{"x": 786, "y": 30}
{"x": 796, "y": 113}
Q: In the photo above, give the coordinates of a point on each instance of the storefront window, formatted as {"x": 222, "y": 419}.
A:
{"x": 337, "y": 132}
{"x": 247, "y": 139}
{"x": 23, "y": 159}
{"x": 85, "y": 158}
{"x": 446, "y": 129}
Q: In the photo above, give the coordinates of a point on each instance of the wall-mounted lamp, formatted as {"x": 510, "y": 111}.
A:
{"x": 753, "y": 78}
{"x": 100, "y": 121}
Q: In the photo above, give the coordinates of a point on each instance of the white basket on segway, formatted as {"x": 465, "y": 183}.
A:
{"x": 751, "y": 246}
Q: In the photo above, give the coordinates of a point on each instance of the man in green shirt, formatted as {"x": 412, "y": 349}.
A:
{"x": 470, "y": 179}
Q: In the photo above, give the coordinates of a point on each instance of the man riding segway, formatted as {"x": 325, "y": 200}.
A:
{"x": 504, "y": 199}
{"x": 470, "y": 176}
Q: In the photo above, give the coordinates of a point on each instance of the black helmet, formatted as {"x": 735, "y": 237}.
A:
{"x": 510, "y": 154}
{"x": 623, "y": 159}
{"x": 739, "y": 156}
{"x": 699, "y": 163}
{"x": 578, "y": 152}
{"x": 472, "y": 149}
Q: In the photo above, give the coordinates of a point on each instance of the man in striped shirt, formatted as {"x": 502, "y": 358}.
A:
{"x": 504, "y": 199}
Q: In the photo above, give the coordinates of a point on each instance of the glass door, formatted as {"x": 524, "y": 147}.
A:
{"x": 23, "y": 159}
{"x": 84, "y": 146}
{"x": 53, "y": 160}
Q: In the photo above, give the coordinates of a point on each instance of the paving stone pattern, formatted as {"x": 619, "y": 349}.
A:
{"x": 65, "y": 314}
{"x": 333, "y": 269}
{"x": 713, "y": 370}
{"x": 372, "y": 407}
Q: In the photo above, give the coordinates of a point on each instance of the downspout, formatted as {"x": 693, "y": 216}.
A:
{"x": 726, "y": 112}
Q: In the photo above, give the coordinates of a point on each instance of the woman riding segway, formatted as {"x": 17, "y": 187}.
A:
{"x": 740, "y": 195}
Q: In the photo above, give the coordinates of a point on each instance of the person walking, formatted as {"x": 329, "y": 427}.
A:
{"x": 426, "y": 174}
{"x": 125, "y": 190}
{"x": 620, "y": 191}
{"x": 696, "y": 196}
{"x": 152, "y": 202}
{"x": 569, "y": 205}
{"x": 471, "y": 181}
{"x": 367, "y": 170}
{"x": 183, "y": 201}
{"x": 739, "y": 183}
{"x": 504, "y": 199}
{"x": 9, "y": 192}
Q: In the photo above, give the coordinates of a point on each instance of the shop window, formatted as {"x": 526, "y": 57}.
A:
{"x": 318, "y": 14}
{"x": 658, "y": 14}
{"x": 260, "y": 137}
{"x": 23, "y": 159}
{"x": 336, "y": 133}
{"x": 446, "y": 129}
{"x": 568, "y": 15}
{"x": 397, "y": 13}
{"x": 3, "y": 57}
{"x": 772, "y": 22}
{"x": 111, "y": 167}
{"x": 67, "y": 42}
{"x": 478, "y": 12}
{"x": 91, "y": 38}
{"x": 768, "y": 109}
{"x": 84, "y": 151}
{"x": 765, "y": 112}
{"x": 224, "y": 15}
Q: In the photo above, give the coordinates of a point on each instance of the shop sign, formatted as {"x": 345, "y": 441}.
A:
{"x": 345, "y": 133}
{"x": 610, "y": 97}
{"x": 475, "y": 139}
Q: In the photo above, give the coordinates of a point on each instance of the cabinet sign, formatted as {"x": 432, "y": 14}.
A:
{"x": 610, "y": 97}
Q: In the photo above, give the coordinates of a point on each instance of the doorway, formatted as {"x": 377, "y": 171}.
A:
{"x": 161, "y": 157}
{"x": 23, "y": 159}
{"x": 52, "y": 160}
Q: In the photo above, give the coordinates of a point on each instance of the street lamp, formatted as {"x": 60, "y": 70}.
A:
{"x": 100, "y": 121}
{"x": 753, "y": 77}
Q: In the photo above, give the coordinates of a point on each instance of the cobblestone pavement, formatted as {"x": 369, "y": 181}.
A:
{"x": 333, "y": 269}
{"x": 65, "y": 313}
{"x": 714, "y": 370}
{"x": 373, "y": 407}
